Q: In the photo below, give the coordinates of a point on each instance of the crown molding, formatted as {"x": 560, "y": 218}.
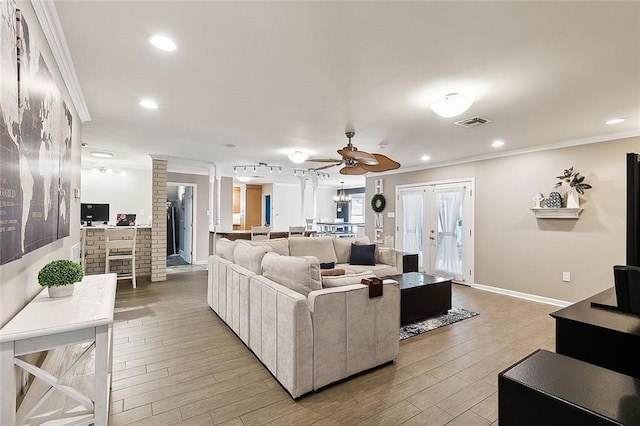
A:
{"x": 538, "y": 148}
{"x": 50, "y": 22}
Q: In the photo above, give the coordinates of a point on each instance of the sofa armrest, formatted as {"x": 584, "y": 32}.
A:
{"x": 399, "y": 261}
{"x": 351, "y": 332}
{"x": 281, "y": 334}
{"x": 392, "y": 257}
{"x": 217, "y": 285}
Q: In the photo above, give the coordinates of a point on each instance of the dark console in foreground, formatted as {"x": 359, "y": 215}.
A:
{"x": 604, "y": 337}
{"x": 550, "y": 389}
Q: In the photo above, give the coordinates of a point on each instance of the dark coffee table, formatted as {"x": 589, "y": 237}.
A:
{"x": 422, "y": 296}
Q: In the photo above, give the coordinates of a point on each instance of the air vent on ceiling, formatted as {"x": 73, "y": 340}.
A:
{"x": 473, "y": 122}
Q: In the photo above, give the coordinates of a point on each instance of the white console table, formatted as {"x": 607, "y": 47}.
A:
{"x": 47, "y": 323}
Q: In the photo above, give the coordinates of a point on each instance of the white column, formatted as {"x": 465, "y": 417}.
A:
{"x": 303, "y": 185}
{"x": 314, "y": 186}
{"x": 214, "y": 198}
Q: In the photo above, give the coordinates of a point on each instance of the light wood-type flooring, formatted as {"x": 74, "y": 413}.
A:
{"x": 175, "y": 361}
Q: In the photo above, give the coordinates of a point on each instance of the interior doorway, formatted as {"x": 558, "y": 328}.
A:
{"x": 180, "y": 208}
{"x": 435, "y": 220}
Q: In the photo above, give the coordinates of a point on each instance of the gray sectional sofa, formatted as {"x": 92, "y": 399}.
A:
{"x": 309, "y": 330}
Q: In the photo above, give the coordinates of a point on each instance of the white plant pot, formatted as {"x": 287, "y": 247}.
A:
{"x": 573, "y": 199}
{"x": 61, "y": 291}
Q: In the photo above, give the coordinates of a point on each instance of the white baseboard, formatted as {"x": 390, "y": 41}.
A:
{"x": 520, "y": 295}
{"x": 200, "y": 262}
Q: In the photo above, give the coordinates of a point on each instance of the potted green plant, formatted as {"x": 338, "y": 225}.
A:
{"x": 59, "y": 276}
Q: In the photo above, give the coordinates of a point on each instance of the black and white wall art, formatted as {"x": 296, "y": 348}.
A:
{"x": 35, "y": 177}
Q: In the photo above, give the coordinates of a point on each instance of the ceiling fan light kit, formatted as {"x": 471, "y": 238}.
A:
{"x": 357, "y": 162}
{"x": 452, "y": 105}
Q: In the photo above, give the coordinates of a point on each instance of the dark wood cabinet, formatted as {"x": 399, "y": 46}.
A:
{"x": 409, "y": 262}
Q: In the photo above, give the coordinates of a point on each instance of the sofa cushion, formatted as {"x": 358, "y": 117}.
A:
{"x": 362, "y": 254}
{"x": 328, "y": 282}
{"x": 342, "y": 247}
{"x": 298, "y": 273}
{"x": 381, "y": 270}
{"x": 250, "y": 257}
{"x": 224, "y": 248}
{"x": 376, "y": 253}
{"x": 320, "y": 247}
{"x": 332, "y": 272}
{"x": 279, "y": 245}
{"x": 387, "y": 255}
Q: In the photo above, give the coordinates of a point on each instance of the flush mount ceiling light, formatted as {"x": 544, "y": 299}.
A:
{"x": 149, "y": 104}
{"x": 244, "y": 178}
{"x": 497, "y": 144}
{"x": 451, "y": 105}
{"x": 425, "y": 158}
{"x": 102, "y": 154}
{"x": 163, "y": 43}
{"x": 298, "y": 156}
{"x": 616, "y": 120}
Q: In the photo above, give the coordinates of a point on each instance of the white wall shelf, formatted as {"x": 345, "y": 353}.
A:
{"x": 563, "y": 213}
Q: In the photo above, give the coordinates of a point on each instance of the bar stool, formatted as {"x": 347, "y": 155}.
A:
{"x": 260, "y": 233}
{"x": 83, "y": 249}
{"x": 296, "y": 231}
{"x": 121, "y": 245}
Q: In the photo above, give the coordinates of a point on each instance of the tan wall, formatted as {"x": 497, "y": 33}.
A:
{"x": 19, "y": 279}
{"x": 516, "y": 251}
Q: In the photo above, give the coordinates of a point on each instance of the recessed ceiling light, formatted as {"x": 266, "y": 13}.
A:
{"x": 425, "y": 158}
{"x": 497, "y": 144}
{"x": 616, "y": 120}
{"x": 162, "y": 43}
{"x": 148, "y": 103}
{"x": 102, "y": 154}
{"x": 298, "y": 156}
{"x": 84, "y": 144}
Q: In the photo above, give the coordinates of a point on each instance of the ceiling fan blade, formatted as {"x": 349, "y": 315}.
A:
{"x": 324, "y": 160}
{"x": 361, "y": 157}
{"x": 327, "y": 166}
{"x": 384, "y": 163}
{"x": 356, "y": 170}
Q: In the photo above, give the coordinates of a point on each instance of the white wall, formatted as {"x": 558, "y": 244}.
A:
{"x": 286, "y": 207}
{"x": 326, "y": 205}
{"x": 19, "y": 279}
{"x": 124, "y": 194}
{"x": 226, "y": 204}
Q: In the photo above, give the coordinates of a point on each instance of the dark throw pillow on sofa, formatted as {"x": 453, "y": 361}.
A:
{"x": 362, "y": 254}
{"x": 327, "y": 265}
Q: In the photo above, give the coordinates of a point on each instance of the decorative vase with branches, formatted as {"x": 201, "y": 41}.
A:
{"x": 571, "y": 179}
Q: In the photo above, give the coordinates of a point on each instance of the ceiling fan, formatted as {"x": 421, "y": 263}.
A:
{"x": 357, "y": 162}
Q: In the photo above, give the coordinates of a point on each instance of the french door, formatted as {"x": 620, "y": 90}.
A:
{"x": 435, "y": 221}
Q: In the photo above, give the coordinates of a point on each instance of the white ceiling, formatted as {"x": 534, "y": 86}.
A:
{"x": 271, "y": 77}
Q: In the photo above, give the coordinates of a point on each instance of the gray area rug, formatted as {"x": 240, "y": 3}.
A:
{"x": 455, "y": 314}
